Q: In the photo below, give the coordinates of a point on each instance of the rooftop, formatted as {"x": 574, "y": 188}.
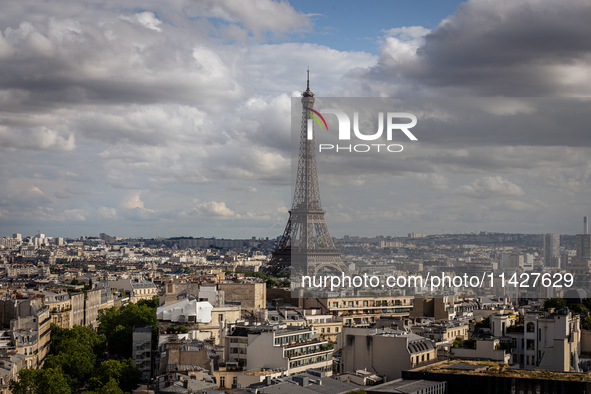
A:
{"x": 469, "y": 367}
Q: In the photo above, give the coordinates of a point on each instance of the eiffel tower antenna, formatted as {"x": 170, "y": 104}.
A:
{"x": 306, "y": 245}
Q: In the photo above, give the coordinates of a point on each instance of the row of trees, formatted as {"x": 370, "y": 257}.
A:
{"x": 72, "y": 367}
{"x": 78, "y": 360}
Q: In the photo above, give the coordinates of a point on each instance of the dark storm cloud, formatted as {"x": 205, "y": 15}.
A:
{"x": 494, "y": 48}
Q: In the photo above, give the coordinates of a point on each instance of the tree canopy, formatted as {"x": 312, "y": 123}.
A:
{"x": 118, "y": 324}
{"x": 556, "y": 303}
{"x": 40, "y": 381}
{"x": 123, "y": 373}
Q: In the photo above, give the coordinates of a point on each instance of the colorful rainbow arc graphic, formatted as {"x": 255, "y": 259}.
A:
{"x": 311, "y": 112}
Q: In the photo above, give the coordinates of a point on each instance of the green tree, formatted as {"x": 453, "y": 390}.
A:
{"x": 81, "y": 334}
{"x": 75, "y": 359}
{"x": 579, "y": 308}
{"x": 124, "y": 373}
{"x": 153, "y": 303}
{"x": 117, "y": 325}
{"x": 556, "y": 303}
{"x": 40, "y": 381}
{"x": 587, "y": 323}
{"x": 110, "y": 388}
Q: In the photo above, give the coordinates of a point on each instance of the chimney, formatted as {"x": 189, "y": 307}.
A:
{"x": 585, "y": 227}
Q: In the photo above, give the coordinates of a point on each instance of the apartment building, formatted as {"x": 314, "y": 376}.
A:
{"x": 142, "y": 350}
{"x": 361, "y": 311}
{"x": 60, "y": 307}
{"x": 442, "y": 331}
{"x": 289, "y": 348}
{"x": 32, "y": 330}
{"x": 547, "y": 341}
{"x": 386, "y": 352}
{"x": 325, "y": 324}
{"x": 136, "y": 289}
{"x": 11, "y": 364}
{"x": 195, "y": 315}
{"x": 443, "y": 308}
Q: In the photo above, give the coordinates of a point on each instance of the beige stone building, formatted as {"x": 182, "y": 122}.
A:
{"x": 326, "y": 325}
{"x": 136, "y": 289}
{"x": 33, "y": 327}
{"x": 386, "y": 352}
{"x": 251, "y": 296}
{"x": 361, "y": 311}
{"x": 11, "y": 364}
{"x": 547, "y": 341}
{"x": 291, "y": 349}
{"x": 442, "y": 308}
{"x": 446, "y": 331}
{"x": 60, "y": 307}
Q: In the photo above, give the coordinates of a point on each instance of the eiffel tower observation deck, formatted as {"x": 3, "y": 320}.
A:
{"x": 306, "y": 245}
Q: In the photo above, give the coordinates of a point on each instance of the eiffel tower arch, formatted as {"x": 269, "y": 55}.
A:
{"x": 306, "y": 245}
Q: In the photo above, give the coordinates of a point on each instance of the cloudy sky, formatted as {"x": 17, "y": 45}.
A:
{"x": 172, "y": 118}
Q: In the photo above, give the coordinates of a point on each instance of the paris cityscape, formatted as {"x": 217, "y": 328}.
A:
{"x": 188, "y": 204}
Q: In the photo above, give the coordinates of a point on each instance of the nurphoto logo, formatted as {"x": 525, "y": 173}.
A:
{"x": 344, "y": 132}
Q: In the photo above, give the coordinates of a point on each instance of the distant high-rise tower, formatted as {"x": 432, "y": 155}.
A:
{"x": 306, "y": 244}
{"x": 584, "y": 242}
{"x": 551, "y": 250}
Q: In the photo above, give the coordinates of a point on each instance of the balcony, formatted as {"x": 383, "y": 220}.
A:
{"x": 309, "y": 350}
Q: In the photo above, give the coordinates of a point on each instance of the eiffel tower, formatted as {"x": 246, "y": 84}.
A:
{"x": 306, "y": 244}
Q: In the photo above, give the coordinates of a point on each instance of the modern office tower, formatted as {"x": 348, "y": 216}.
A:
{"x": 17, "y": 236}
{"x": 516, "y": 260}
{"x": 584, "y": 242}
{"x": 528, "y": 262}
{"x": 505, "y": 260}
{"x": 551, "y": 250}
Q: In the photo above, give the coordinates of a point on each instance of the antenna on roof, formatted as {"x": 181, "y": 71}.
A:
{"x": 308, "y": 85}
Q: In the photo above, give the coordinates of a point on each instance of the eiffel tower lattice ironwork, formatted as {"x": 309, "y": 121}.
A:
{"x": 306, "y": 244}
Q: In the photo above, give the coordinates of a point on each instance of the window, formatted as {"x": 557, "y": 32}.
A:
{"x": 220, "y": 317}
{"x": 531, "y": 344}
{"x": 235, "y": 380}
{"x": 336, "y": 329}
{"x": 222, "y": 381}
{"x": 328, "y": 330}
{"x": 531, "y": 327}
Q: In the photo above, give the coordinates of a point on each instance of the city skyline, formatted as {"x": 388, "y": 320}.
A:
{"x": 172, "y": 119}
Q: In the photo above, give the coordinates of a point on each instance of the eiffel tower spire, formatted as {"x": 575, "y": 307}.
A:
{"x": 306, "y": 244}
